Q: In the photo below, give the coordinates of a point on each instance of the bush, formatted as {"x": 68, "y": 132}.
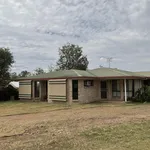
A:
{"x": 142, "y": 95}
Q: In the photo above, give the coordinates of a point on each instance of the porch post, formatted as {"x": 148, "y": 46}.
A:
{"x": 125, "y": 89}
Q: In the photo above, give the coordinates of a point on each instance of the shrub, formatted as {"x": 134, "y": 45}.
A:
{"x": 142, "y": 95}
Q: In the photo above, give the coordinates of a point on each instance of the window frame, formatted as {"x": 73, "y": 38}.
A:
{"x": 117, "y": 89}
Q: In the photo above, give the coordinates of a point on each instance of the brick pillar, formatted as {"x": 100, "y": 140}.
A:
{"x": 48, "y": 93}
{"x": 69, "y": 91}
{"x": 98, "y": 89}
{"x": 109, "y": 86}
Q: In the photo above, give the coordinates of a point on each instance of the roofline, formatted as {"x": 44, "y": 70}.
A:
{"x": 85, "y": 77}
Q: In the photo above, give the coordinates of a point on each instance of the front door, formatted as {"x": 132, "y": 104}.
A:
{"x": 75, "y": 89}
{"x": 103, "y": 89}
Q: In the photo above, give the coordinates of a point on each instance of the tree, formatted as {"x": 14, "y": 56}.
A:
{"x": 24, "y": 73}
{"x": 39, "y": 71}
{"x": 51, "y": 68}
{"x": 6, "y": 61}
{"x": 71, "y": 57}
{"x": 13, "y": 75}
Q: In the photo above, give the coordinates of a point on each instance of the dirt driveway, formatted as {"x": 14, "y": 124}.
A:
{"x": 26, "y": 131}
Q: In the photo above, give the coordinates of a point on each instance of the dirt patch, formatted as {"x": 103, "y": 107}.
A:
{"x": 50, "y": 128}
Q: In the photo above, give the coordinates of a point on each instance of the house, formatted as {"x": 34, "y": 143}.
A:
{"x": 82, "y": 86}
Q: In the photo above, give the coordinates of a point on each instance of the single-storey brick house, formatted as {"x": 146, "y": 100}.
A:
{"x": 83, "y": 86}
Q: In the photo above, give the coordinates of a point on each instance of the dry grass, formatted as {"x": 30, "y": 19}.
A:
{"x": 55, "y": 127}
{"x": 18, "y": 108}
{"x": 133, "y": 136}
{"x": 11, "y": 108}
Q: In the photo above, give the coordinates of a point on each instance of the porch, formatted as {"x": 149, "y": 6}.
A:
{"x": 39, "y": 90}
{"x": 86, "y": 91}
{"x": 80, "y": 90}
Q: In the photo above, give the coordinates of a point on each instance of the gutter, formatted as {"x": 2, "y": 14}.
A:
{"x": 86, "y": 77}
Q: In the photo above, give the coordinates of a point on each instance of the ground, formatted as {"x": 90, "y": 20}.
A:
{"x": 43, "y": 126}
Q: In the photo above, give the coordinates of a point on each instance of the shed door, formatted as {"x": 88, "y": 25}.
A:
{"x": 25, "y": 89}
{"x": 57, "y": 90}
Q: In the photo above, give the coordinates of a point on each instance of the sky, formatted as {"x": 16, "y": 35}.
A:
{"x": 34, "y": 30}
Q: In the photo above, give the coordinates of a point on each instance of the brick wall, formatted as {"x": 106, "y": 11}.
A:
{"x": 93, "y": 93}
{"x": 69, "y": 91}
{"x": 88, "y": 94}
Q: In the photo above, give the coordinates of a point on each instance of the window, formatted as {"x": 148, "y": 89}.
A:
{"x": 116, "y": 88}
{"x": 88, "y": 83}
{"x": 130, "y": 86}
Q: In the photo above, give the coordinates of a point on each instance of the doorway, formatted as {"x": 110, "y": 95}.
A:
{"x": 44, "y": 90}
{"x": 37, "y": 89}
{"x": 75, "y": 89}
{"x": 103, "y": 89}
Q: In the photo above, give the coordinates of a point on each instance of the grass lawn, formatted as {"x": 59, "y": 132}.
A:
{"x": 43, "y": 126}
{"x": 10, "y": 108}
{"x": 18, "y": 107}
{"x": 132, "y": 136}
{"x": 22, "y": 107}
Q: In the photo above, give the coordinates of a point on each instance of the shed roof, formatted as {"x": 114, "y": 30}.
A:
{"x": 14, "y": 84}
{"x": 95, "y": 73}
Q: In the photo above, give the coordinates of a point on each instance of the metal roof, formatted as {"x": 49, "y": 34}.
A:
{"x": 14, "y": 84}
{"x": 60, "y": 74}
{"x": 144, "y": 73}
{"x": 95, "y": 73}
{"x": 113, "y": 72}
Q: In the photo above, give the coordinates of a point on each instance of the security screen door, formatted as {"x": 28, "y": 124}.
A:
{"x": 103, "y": 89}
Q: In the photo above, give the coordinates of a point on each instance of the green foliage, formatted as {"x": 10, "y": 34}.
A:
{"x": 142, "y": 95}
{"x": 24, "y": 73}
{"x": 71, "y": 57}
{"x": 6, "y": 61}
{"x": 51, "y": 68}
{"x": 13, "y": 75}
{"x": 39, "y": 71}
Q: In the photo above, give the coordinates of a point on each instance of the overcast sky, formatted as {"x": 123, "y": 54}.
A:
{"x": 35, "y": 29}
